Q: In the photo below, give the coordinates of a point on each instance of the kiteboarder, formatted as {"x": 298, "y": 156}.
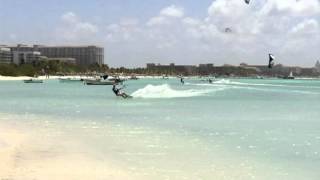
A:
{"x": 181, "y": 80}
{"x": 118, "y": 92}
{"x": 271, "y": 59}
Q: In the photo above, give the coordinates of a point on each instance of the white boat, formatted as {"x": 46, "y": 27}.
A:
{"x": 133, "y": 78}
{"x": 68, "y": 80}
{"x": 98, "y": 82}
{"x": 32, "y": 80}
{"x": 290, "y": 76}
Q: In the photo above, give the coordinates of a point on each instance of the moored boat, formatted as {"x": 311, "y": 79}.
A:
{"x": 68, "y": 80}
{"x": 98, "y": 82}
{"x": 290, "y": 76}
{"x": 133, "y": 78}
{"x": 33, "y": 81}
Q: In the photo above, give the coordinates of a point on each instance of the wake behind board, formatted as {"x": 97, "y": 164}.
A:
{"x": 128, "y": 97}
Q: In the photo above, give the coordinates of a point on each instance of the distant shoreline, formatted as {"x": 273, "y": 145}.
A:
{"x": 53, "y": 77}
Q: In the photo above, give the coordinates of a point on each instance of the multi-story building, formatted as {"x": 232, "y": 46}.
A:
{"x": 64, "y": 60}
{"x": 172, "y": 69}
{"x": 22, "y": 54}
{"x": 5, "y": 55}
{"x": 25, "y": 57}
{"x": 206, "y": 69}
{"x": 84, "y": 55}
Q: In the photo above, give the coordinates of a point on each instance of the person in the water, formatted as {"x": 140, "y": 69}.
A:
{"x": 181, "y": 80}
{"x": 117, "y": 91}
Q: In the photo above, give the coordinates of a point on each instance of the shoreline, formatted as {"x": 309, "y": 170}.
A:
{"x": 21, "y": 78}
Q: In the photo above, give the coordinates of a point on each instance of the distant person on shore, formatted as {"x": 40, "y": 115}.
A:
{"x": 117, "y": 91}
{"x": 47, "y": 71}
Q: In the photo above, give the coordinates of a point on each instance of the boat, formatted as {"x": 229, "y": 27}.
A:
{"x": 68, "y": 80}
{"x": 32, "y": 80}
{"x": 116, "y": 80}
{"x": 98, "y": 82}
{"x": 289, "y": 77}
{"x": 91, "y": 80}
{"x": 133, "y": 78}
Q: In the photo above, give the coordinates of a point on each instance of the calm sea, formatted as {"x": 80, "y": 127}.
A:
{"x": 267, "y": 129}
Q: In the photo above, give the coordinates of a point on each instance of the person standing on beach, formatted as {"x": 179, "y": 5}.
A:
{"x": 47, "y": 71}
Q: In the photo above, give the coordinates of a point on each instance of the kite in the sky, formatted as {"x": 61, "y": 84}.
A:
{"x": 247, "y": 1}
{"x": 228, "y": 30}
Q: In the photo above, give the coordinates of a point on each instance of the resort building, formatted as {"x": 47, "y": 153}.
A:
{"x": 22, "y": 54}
{"x": 172, "y": 69}
{"x": 84, "y": 55}
{"x": 206, "y": 69}
{"x": 25, "y": 57}
{"x": 63, "y": 60}
{"x": 5, "y": 55}
{"x": 80, "y": 55}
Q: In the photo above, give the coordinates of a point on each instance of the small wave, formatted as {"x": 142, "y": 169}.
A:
{"x": 165, "y": 91}
{"x": 229, "y": 82}
{"x": 257, "y": 86}
{"x": 223, "y": 81}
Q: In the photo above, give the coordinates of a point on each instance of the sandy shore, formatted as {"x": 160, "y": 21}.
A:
{"x": 10, "y": 141}
{"x": 31, "y": 155}
{"x": 20, "y": 78}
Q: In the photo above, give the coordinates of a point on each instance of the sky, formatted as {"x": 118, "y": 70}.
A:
{"x": 136, "y": 32}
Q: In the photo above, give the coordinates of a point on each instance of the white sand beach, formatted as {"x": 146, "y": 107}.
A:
{"x": 26, "y": 156}
{"x": 10, "y": 141}
{"x": 20, "y": 78}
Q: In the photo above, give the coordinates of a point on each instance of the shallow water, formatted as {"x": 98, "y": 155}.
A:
{"x": 231, "y": 129}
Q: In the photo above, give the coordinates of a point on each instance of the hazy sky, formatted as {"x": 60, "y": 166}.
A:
{"x": 135, "y": 32}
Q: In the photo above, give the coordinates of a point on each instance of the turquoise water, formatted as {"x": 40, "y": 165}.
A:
{"x": 231, "y": 129}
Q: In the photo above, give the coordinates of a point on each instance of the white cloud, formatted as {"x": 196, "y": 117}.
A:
{"x": 295, "y": 7}
{"x": 69, "y": 17}
{"x": 126, "y": 30}
{"x": 307, "y": 27}
{"x": 191, "y": 21}
{"x": 158, "y": 20}
{"x": 277, "y": 26}
{"x": 172, "y": 11}
{"x": 167, "y": 16}
{"x": 73, "y": 29}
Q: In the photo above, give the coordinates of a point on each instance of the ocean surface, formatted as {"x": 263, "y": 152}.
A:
{"x": 233, "y": 129}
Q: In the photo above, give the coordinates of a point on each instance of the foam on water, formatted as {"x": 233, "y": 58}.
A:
{"x": 229, "y": 82}
{"x": 165, "y": 91}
